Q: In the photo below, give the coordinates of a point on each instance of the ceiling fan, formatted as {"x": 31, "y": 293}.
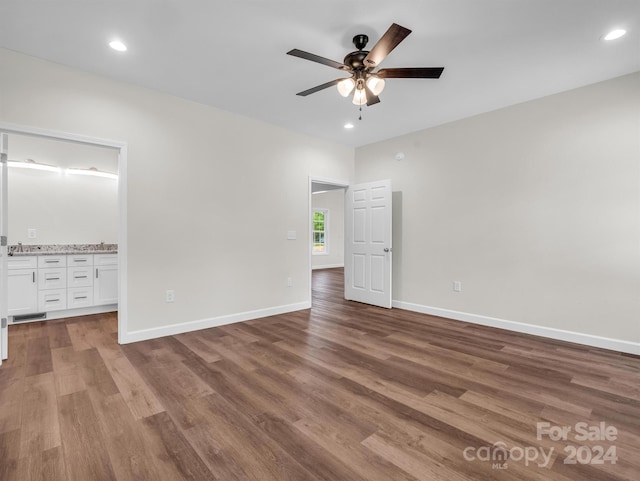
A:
{"x": 366, "y": 83}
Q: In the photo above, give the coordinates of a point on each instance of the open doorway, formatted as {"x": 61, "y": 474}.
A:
{"x": 367, "y": 238}
{"x": 367, "y": 234}
{"x": 64, "y": 202}
{"x": 326, "y": 231}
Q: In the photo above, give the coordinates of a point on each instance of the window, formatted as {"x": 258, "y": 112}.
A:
{"x": 320, "y": 234}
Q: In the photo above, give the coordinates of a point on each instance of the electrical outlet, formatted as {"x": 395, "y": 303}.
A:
{"x": 169, "y": 296}
{"x": 32, "y": 233}
{"x": 289, "y": 281}
{"x": 457, "y": 286}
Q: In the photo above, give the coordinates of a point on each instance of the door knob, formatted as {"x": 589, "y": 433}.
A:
{"x": 386, "y": 249}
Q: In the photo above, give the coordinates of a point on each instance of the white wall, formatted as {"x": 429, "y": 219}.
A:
{"x": 332, "y": 200}
{"x": 211, "y": 195}
{"x": 64, "y": 209}
{"x": 535, "y": 208}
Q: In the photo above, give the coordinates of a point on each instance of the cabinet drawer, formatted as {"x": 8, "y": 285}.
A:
{"x": 79, "y": 297}
{"x": 52, "y": 299}
{"x": 22, "y": 262}
{"x": 80, "y": 260}
{"x": 52, "y": 278}
{"x": 79, "y": 276}
{"x": 105, "y": 259}
{"x": 52, "y": 261}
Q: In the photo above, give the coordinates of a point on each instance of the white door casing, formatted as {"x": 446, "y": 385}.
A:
{"x": 4, "y": 315}
{"x": 368, "y": 243}
{"x": 123, "y": 329}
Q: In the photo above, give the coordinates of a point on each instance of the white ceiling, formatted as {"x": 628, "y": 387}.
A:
{"x": 231, "y": 54}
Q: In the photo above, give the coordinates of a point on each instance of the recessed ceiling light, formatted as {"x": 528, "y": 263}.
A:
{"x": 118, "y": 45}
{"x": 348, "y": 126}
{"x": 614, "y": 34}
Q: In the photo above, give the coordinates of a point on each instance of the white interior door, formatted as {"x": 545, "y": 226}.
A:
{"x": 4, "y": 316}
{"x": 367, "y": 259}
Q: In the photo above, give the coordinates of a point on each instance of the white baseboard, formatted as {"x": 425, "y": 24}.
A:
{"x": 328, "y": 266}
{"x": 172, "y": 329}
{"x": 550, "y": 332}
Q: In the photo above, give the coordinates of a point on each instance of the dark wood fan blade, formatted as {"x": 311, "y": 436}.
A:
{"x": 426, "y": 72}
{"x": 386, "y": 44}
{"x": 371, "y": 99}
{"x": 316, "y": 58}
{"x": 313, "y": 90}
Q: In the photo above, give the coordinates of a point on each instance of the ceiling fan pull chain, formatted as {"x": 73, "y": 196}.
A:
{"x": 360, "y": 117}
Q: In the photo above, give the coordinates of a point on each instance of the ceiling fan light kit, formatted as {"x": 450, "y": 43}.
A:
{"x": 359, "y": 97}
{"x": 365, "y": 82}
{"x": 375, "y": 84}
{"x": 345, "y": 86}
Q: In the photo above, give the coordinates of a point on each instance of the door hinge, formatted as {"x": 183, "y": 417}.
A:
{"x": 3, "y": 241}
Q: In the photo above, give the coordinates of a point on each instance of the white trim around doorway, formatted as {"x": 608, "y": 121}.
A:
{"x": 121, "y": 147}
{"x": 321, "y": 180}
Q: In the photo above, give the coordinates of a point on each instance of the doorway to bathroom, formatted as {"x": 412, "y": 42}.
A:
{"x": 63, "y": 218}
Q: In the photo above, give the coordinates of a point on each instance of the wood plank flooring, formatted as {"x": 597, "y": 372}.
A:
{"x": 343, "y": 391}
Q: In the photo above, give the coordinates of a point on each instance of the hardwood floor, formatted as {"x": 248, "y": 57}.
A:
{"x": 343, "y": 391}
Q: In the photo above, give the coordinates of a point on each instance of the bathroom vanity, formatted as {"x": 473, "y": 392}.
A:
{"x": 51, "y": 282}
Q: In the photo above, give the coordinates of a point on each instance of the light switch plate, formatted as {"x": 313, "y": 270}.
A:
{"x": 292, "y": 235}
{"x": 32, "y": 233}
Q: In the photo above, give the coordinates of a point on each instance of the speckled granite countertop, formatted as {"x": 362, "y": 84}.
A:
{"x": 60, "y": 249}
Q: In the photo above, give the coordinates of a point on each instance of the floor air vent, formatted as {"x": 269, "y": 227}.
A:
{"x": 30, "y": 317}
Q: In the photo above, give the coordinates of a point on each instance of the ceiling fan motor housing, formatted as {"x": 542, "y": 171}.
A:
{"x": 355, "y": 60}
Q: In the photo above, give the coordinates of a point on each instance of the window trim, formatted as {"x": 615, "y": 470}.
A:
{"x": 325, "y": 231}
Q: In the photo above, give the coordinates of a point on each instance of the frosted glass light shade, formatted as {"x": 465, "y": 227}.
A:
{"x": 375, "y": 84}
{"x": 359, "y": 97}
{"x": 346, "y": 86}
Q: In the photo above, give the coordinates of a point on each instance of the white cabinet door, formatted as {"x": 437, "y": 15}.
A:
{"x": 105, "y": 285}
{"x": 23, "y": 291}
